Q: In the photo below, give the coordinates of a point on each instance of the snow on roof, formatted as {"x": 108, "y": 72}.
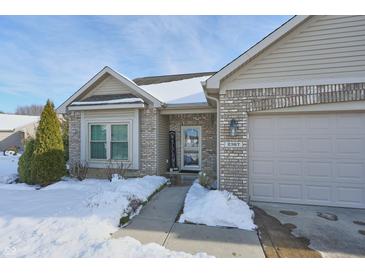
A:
{"x": 113, "y": 101}
{"x": 9, "y": 122}
{"x": 178, "y": 92}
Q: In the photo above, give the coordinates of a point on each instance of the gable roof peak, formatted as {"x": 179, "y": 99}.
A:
{"x": 138, "y": 91}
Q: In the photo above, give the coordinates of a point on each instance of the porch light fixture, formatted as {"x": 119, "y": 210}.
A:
{"x": 233, "y": 126}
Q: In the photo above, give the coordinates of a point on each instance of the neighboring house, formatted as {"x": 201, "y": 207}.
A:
{"x": 284, "y": 122}
{"x": 14, "y": 129}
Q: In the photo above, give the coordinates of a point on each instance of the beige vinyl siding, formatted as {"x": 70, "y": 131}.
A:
{"x": 323, "y": 47}
{"x": 110, "y": 85}
{"x": 163, "y": 143}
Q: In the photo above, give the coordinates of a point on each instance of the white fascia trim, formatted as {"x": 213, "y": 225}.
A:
{"x": 214, "y": 81}
{"x": 187, "y": 108}
{"x": 187, "y": 111}
{"x": 139, "y": 91}
{"x": 188, "y": 105}
{"x": 114, "y": 106}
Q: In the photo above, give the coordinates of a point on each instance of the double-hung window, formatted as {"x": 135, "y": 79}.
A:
{"x": 109, "y": 141}
{"x": 119, "y": 142}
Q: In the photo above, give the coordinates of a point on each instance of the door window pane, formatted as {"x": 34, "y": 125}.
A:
{"x": 191, "y": 159}
{"x": 191, "y": 138}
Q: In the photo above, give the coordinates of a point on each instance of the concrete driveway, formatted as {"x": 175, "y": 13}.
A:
{"x": 334, "y": 232}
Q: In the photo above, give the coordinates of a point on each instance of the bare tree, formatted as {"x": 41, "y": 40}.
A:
{"x": 33, "y": 110}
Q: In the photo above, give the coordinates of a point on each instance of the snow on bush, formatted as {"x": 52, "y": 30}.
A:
{"x": 216, "y": 208}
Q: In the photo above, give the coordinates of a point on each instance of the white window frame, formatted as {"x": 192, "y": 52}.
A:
{"x": 109, "y": 141}
{"x": 111, "y": 117}
{"x": 198, "y": 168}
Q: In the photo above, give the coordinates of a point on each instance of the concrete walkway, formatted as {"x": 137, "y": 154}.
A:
{"x": 156, "y": 223}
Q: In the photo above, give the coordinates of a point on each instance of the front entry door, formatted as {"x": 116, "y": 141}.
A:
{"x": 191, "y": 148}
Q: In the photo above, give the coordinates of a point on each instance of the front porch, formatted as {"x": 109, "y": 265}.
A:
{"x": 194, "y": 148}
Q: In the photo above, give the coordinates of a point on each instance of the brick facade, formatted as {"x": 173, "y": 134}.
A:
{"x": 149, "y": 150}
{"x": 208, "y": 123}
{"x": 148, "y": 141}
{"x": 74, "y": 133}
{"x": 236, "y": 104}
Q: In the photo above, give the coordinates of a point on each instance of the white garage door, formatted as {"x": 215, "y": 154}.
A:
{"x": 308, "y": 159}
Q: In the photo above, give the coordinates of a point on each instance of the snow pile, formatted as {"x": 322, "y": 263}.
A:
{"x": 132, "y": 248}
{"x": 8, "y": 167}
{"x": 216, "y": 208}
{"x": 73, "y": 219}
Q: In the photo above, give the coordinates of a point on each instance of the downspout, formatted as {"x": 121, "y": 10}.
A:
{"x": 218, "y": 135}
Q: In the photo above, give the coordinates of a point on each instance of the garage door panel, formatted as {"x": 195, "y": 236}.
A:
{"x": 350, "y": 171}
{"x": 319, "y": 145}
{"x": 350, "y": 121}
{"x": 262, "y": 124}
{"x": 308, "y": 158}
{"x": 317, "y": 123}
{"x": 350, "y": 195}
{"x": 289, "y": 191}
{"x": 263, "y": 145}
{"x": 319, "y": 193}
{"x": 349, "y": 145}
{"x": 290, "y": 168}
{"x": 318, "y": 169}
{"x": 263, "y": 190}
{"x": 263, "y": 167}
{"x": 289, "y": 145}
{"x": 289, "y": 123}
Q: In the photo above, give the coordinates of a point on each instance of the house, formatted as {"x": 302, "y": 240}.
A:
{"x": 283, "y": 122}
{"x": 14, "y": 129}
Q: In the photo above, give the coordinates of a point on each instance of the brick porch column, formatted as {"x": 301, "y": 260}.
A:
{"x": 234, "y": 149}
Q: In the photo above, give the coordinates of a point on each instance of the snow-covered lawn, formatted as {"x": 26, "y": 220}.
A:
{"x": 8, "y": 167}
{"x": 71, "y": 218}
{"x": 216, "y": 208}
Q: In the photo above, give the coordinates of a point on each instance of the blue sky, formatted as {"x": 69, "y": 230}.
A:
{"x": 53, "y": 56}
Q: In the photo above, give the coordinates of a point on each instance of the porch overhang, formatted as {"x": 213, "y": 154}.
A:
{"x": 187, "y": 108}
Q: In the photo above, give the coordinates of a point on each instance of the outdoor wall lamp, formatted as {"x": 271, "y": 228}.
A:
{"x": 233, "y": 126}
